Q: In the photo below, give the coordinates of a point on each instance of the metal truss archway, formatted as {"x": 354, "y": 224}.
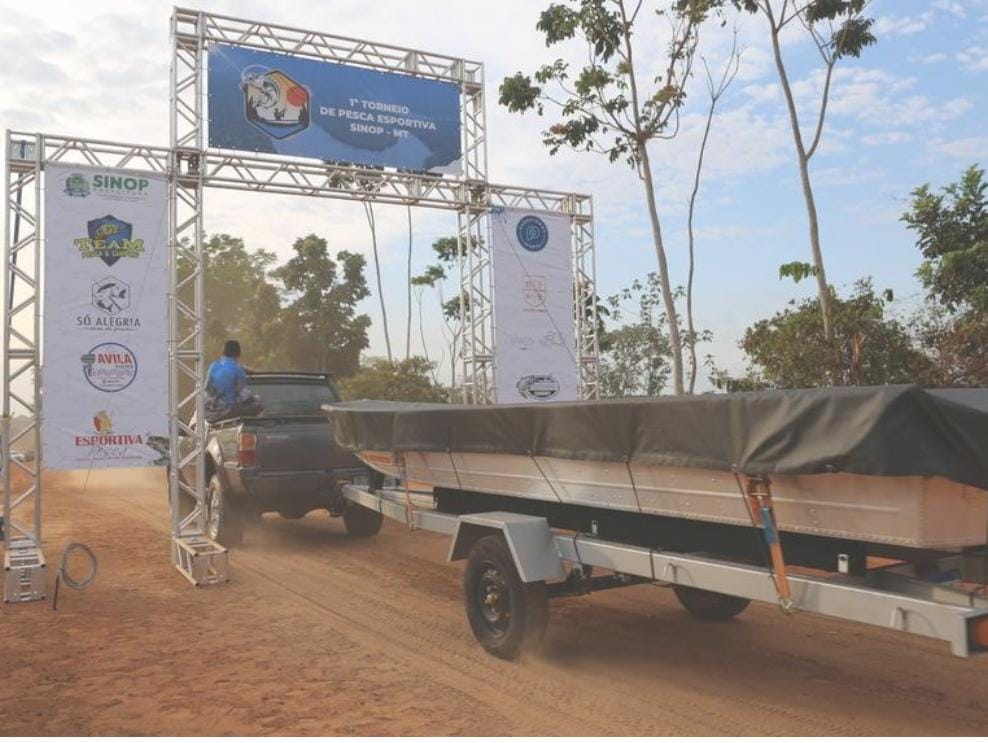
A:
{"x": 192, "y": 167}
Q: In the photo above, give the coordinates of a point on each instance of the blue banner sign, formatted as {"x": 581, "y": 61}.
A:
{"x": 268, "y": 102}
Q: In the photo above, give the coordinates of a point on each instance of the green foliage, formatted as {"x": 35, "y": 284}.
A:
{"x": 320, "y": 328}
{"x": 956, "y": 346}
{"x": 789, "y": 349}
{"x": 407, "y": 380}
{"x": 952, "y": 234}
{"x": 600, "y": 106}
{"x": 635, "y": 355}
{"x": 240, "y": 302}
{"x": 797, "y": 271}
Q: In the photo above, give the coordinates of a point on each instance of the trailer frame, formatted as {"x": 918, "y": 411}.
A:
{"x": 922, "y": 600}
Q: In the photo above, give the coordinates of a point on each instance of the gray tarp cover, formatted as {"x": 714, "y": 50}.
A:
{"x": 890, "y": 431}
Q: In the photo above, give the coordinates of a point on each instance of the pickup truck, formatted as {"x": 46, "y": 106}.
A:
{"x": 285, "y": 460}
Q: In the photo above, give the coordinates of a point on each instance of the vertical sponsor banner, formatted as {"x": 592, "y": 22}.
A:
{"x": 534, "y": 327}
{"x": 105, "y": 383}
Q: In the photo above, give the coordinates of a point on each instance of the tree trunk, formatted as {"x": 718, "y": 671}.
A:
{"x": 660, "y": 254}
{"x": 369, "y": 208}
{"x": 408, "y": 324}
{"x": 823, "y": 290}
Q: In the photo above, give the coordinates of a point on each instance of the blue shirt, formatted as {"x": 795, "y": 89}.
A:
{"x": 226, "y": 378}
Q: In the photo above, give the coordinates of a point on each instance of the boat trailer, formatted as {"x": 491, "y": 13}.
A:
{"x": 516, "y": 562}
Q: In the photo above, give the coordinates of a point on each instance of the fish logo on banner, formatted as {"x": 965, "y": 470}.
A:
{"x": 274, "y": 102}
{"x": 109, "y": 239}
{"x": 111, "y": 295}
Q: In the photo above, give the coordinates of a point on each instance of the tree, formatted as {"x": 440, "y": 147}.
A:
{"x": 838, "y": 30}
{"x": 408, "y": 380}
{"x": 447, "y": 251}
{"x": 372, "y": 223}
{"x": 603, "y": 107}
{"x": 240, "y": 301}
{"x": 715, "y": 91}
{"x": 320, "y": 328}
{"x": 952, "y": 234}
{"x": 790, "y": 350}
{"x": 408, "y": 278}
{"x": 635, "y": 355}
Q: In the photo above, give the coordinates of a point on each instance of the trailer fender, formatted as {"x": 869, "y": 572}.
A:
{"x": 529, "y": 538}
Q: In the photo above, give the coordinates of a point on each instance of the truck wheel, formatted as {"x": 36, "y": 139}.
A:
{"x": 717, "y": 607}
{"x": 225, "y": 520}
{"x": 508, "y": 616}
{"x": 361, "y": 521}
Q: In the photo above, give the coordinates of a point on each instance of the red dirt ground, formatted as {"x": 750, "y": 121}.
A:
{"x": 321, "y": 634}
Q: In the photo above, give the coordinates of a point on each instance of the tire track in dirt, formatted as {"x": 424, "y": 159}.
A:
{"x": 627, "y": 661}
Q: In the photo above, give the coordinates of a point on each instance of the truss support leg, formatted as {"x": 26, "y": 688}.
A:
{"x": 25, "y": 574}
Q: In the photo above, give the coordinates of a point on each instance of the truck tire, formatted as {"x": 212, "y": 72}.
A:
{"x": 360, "y": 521}
{"x": 508, "y": 616}
{"x": 716, "y": 607}
{"x": 225, "y": 518}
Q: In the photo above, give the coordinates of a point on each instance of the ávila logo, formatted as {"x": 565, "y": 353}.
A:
{"x": 110, "y": 239}
{"x": 109, "y": 367}
{"x": 273, "y": 102}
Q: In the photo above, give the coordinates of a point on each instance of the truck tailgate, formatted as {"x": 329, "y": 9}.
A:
{"x": 296, "y": 444}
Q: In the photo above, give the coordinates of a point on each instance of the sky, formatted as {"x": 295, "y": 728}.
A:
{"x": 911, "y": 110}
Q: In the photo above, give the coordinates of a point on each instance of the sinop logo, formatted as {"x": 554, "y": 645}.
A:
{"x": 77, "y": 185}
{"x": 273, "y": 102}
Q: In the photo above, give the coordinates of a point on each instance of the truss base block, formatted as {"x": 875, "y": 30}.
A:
{"x": 202, "y": 561}
{"x": 25, "y": 574}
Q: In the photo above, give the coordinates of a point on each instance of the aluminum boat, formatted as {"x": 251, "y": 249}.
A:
{"x": 894, "y": 465}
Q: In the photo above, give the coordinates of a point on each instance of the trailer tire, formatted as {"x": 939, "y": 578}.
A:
{"x": 508, "y": 616}
{"x": 225, "y": 517}
{"x": 716, "y": 607}
{"x": 361, "y": 521}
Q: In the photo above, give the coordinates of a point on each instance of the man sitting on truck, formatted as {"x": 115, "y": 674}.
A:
{"x": 227, "y": 393}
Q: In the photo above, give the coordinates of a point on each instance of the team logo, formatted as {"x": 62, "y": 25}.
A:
{"x": 102, "y": 423}
{"x": 109, "y": 367}
{"x": 110, "y": 239}
{"x": 532, "y": 233}
{"x": 534, "y": 291}
{"x": 538, "y": 387}
{"x": 111, "y": 295}
{"x": 77, "y": 185}
{"x": 274, "y": 102}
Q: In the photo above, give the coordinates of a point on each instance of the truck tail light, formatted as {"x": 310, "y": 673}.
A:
{"x": 247, "y": 450}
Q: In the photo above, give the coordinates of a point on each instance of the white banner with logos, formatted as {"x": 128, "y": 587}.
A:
{"x": 105, "y": 356}
{"x": 534, "y": 326}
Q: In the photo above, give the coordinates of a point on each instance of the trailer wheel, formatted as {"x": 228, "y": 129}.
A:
{"x": 507, "y": 616}
{"x": 361, "y": 521}
{"x": 225, "y": 518}
{"x": 717, "y": 607}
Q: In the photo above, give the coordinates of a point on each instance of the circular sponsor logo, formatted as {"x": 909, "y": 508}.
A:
{"x": 109, "y": 367}
{"x": 538, "y": 387}
{"x": 532, "y": 233}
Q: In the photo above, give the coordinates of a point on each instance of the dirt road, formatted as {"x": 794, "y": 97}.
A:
{"x": 321, "y": 634}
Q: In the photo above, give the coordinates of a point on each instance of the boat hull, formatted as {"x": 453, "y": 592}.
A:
{"x": 917, "y": 512}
